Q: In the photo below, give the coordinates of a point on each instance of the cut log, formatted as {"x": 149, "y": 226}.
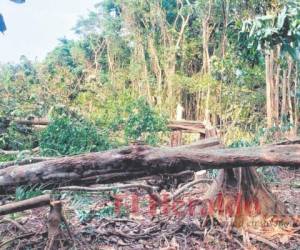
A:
{"x": 139, "y": 161}
{"x": 19, "y": 206}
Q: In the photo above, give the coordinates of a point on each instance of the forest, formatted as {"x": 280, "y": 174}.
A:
{"x": 166, "y": 124}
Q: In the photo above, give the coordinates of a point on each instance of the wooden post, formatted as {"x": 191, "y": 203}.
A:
{"x": 176, "y": 138}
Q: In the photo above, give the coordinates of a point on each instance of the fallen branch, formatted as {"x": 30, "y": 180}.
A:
{"x": 15, "y": 223}
{"x": 258, "y": 238}
{"x": 189, "y": 185}
{"x": 31, "y": 122}
{"x": 150, "y": 190}
{"x": 16, "y": 152}
{"x": 201, "y": 144}
{"x": 263, "y": 240}
{"x": 295, "y": 140}
{"x": 9, "y": 152}
{"x": 19, "y": 206}
{"x": 17, "y": 238}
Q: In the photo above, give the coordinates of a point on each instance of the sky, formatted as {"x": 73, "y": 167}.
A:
{"x": 33, "y": 28}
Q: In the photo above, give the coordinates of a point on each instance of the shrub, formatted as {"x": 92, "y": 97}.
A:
{"x": 18, "y": 137}
{"x": 143, "y": 122}
{"x": 69, "y": 134}
{"x": 132, "y": 119}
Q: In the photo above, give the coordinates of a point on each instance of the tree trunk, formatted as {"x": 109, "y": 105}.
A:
{"x": 139, "y": 161}
{"x": 225, "y": 11}
{"x": 155, "y": 63}
{"x": 284, "y": 99}
{"x": 289, "y": 92}
{"x": 296, "y": 103}
{"x": 269, "y": 62}
{"x": 206, "y": 60}
{"x": 276, "y": 90}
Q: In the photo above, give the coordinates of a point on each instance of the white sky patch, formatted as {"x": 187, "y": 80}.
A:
{"x": 33, "y": 28}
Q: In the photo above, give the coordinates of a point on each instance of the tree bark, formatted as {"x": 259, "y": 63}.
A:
{"x": 269, "y": 62}
{"x": 276, "y": 89}
{"x": 289, "y": 92}
{"x": 296, "y": 103}
{"x": 139, "y": 161}
{"x": 284, "y": 99}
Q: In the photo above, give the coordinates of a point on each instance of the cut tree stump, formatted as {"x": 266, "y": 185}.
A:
{"x": 55, "y": 219}
{"x": 239, "y": 195}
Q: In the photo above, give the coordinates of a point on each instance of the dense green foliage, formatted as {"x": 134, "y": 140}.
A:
{"x": 18, "y": 137}
{"x": 27, "y": 192}
{"x": 68, "y": 133}
{"x": 143, "y": 119}
{"x": 67, "y": 136}
{"x": 135, "y": 61}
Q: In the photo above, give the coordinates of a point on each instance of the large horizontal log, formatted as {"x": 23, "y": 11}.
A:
{"x": 139, "y": 161}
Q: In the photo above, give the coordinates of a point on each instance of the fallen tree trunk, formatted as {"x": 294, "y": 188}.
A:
{"x": 139, "y": 161}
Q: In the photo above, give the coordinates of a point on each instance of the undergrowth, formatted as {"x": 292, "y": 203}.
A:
{"x": 27, "y": 192}
{"x": 85, "y": 210}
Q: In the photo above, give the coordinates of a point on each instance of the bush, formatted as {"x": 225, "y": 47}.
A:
{"x": 143, "y": 122}
{"x": 18, "y": 137}
{"x": 132, "y": 119}
{"x": 69, "y": 134}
